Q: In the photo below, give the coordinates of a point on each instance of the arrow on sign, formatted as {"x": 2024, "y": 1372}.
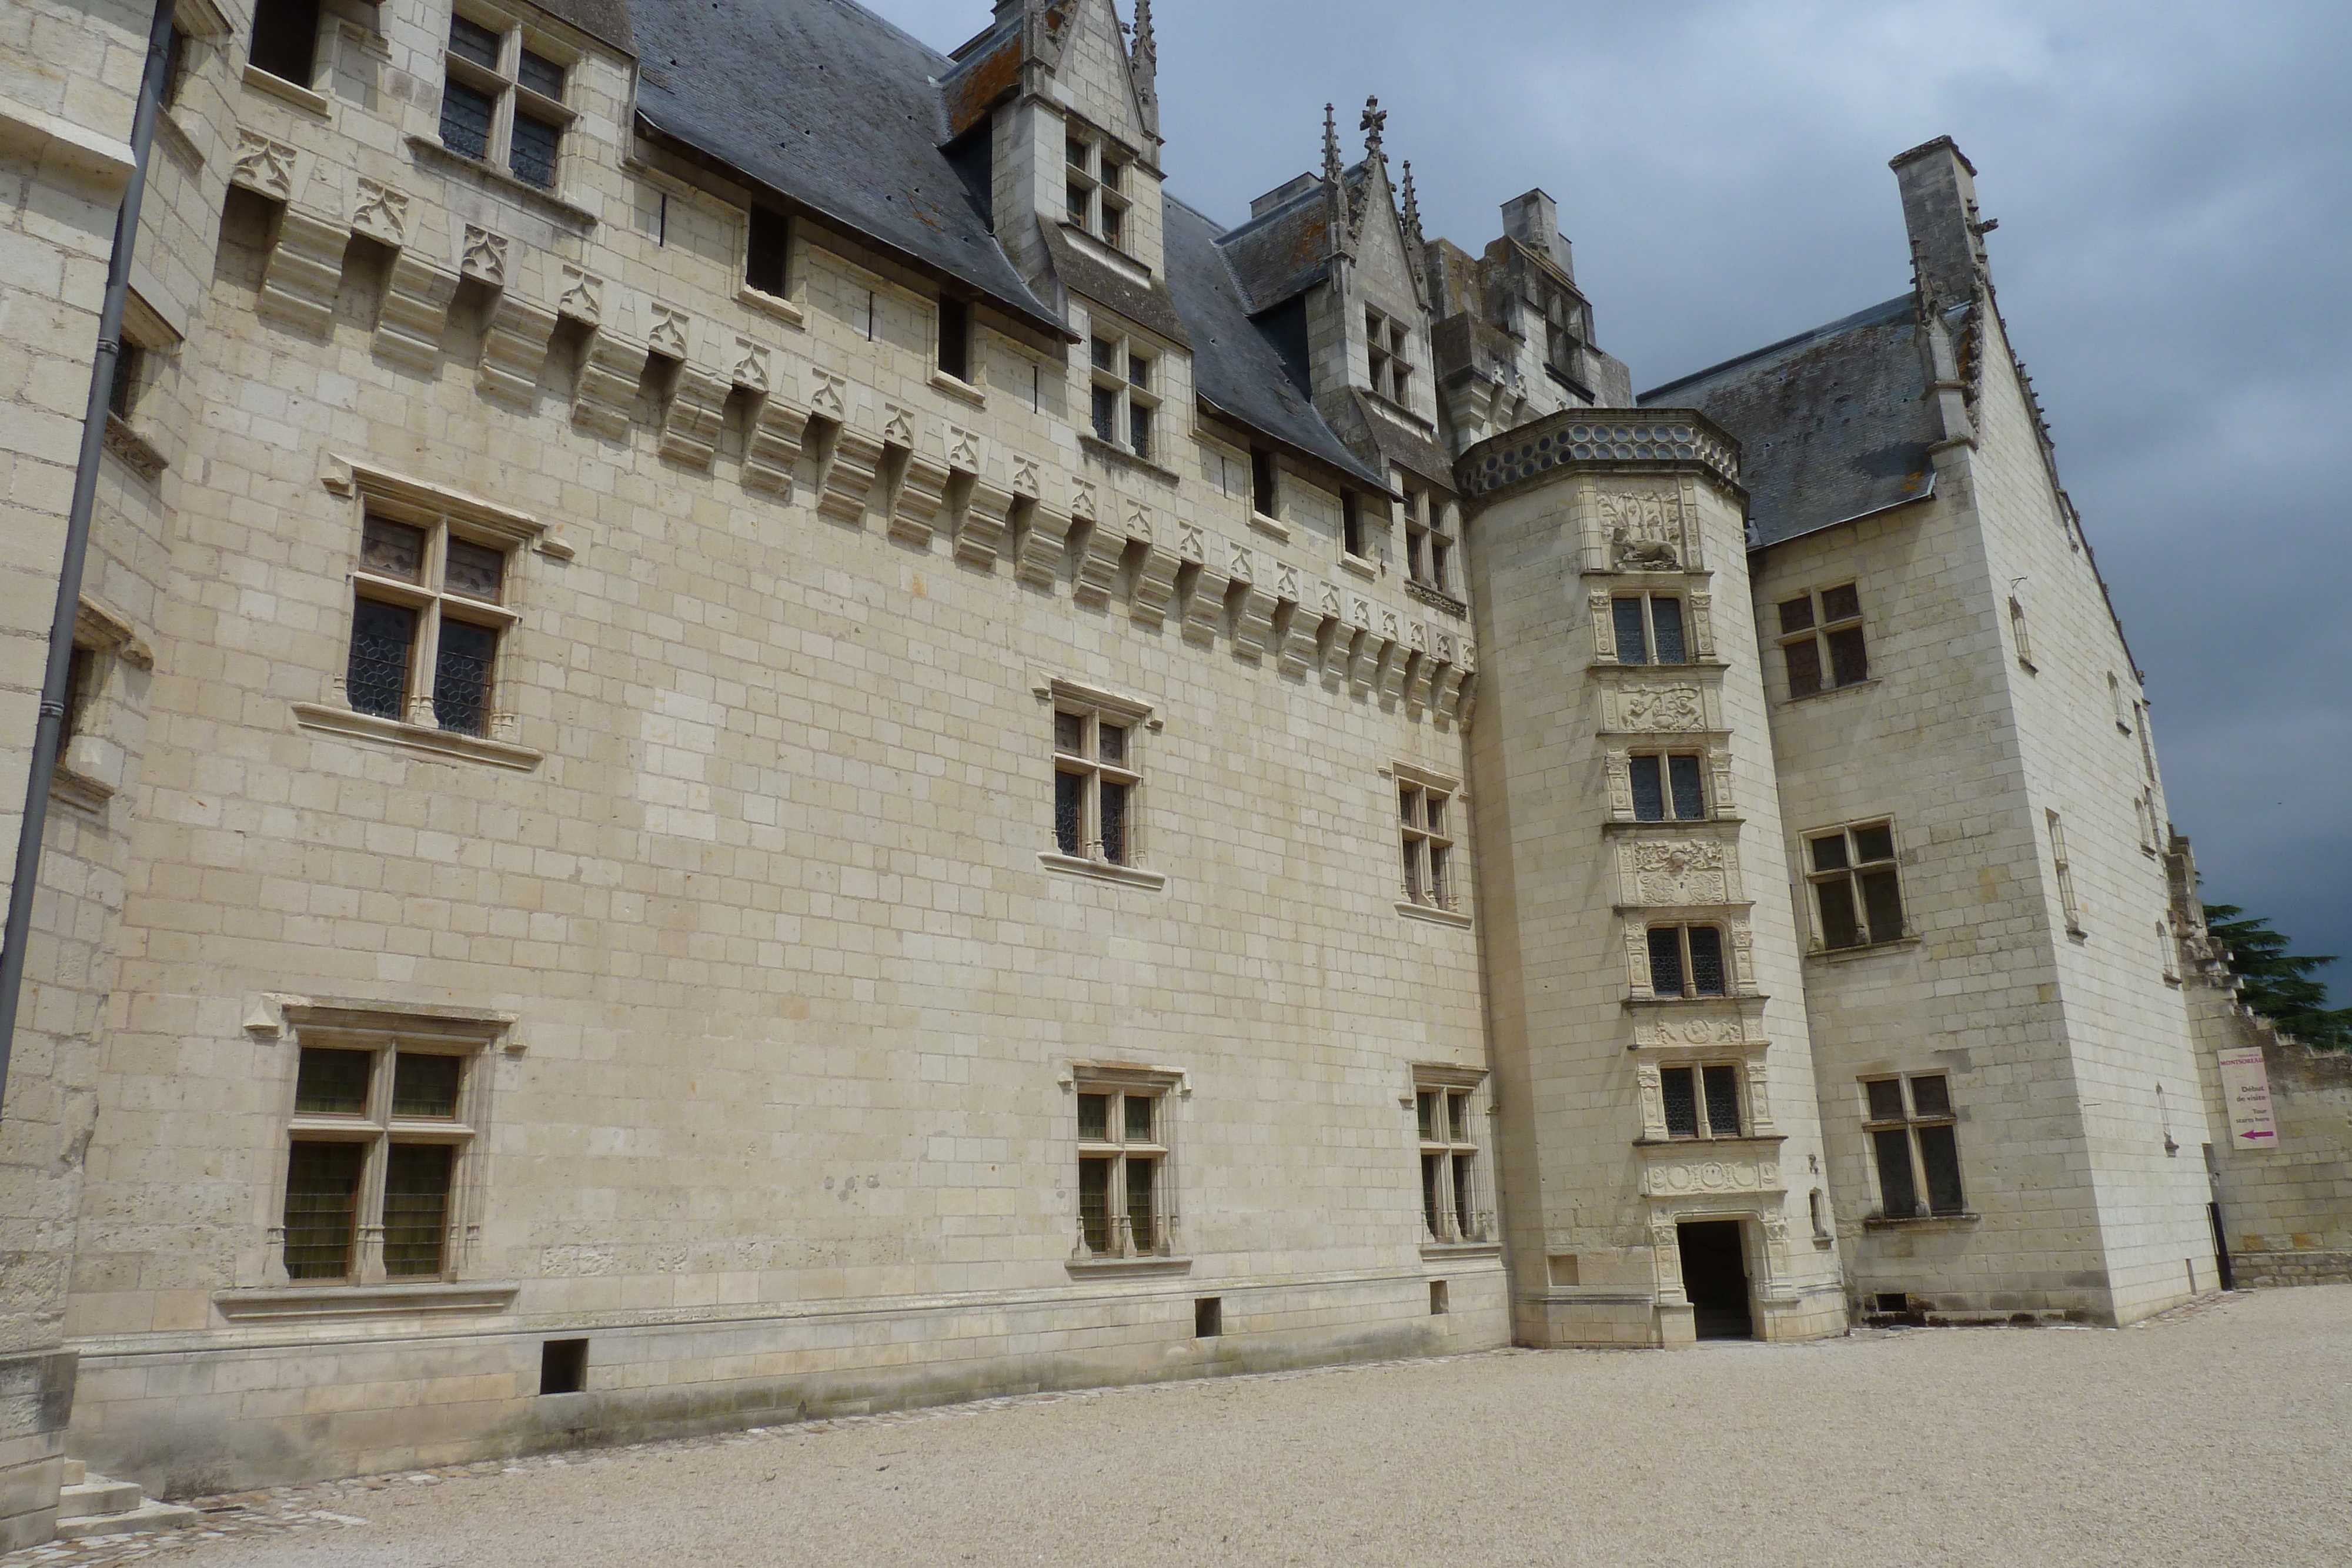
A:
{"x": 2258, "y": 1133}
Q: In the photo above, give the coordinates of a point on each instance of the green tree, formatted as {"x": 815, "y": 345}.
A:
{"x": 2277, "y": 983}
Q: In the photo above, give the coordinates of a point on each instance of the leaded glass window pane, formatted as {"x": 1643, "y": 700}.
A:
{"x": 322, "y": 1188}
{"x": 1841, "y": 603}
{"x": 1706, "y": 960}
{"x": 1666, "y": 619}
{"x": 1939, "y": 1152}
{"x": 333, "y": 1083}
{"x": 1138, "y": 1118}
{"x": 1666, "y": 961}
{"x": 1139, "y": 1215}
{"x": 1633, "y": 638}
{"x": 1094, "y": 1204}
{"x": 1139, "y": 429}
{"x": 382, "y": 636}
{"x": 1070, "y": 734}
{"x": 1438, "y": 857}
{"x": 541, "y": 75}
{"x": 1804, "y": 668}
{"x": 1722, "y": 1085}
{"x": 1675, "y": 1087}
{"x": 393, "y": 550}
{"x": 416, "y": 1208}
{"x": 1898, "y": 1194}
{"x": 1076, "y": 203}
{"x": 1882, "y": 902}
{"x": 1105, "y": 353}
{"x": 1114, "y": 218}
{"x": 1829, "y": 853}
{"x": 1797, "y": 615}
{"x": 1930, "y": 1096}
{"x": 1649, "y": 792}
{"x": 1106, "y": 414}
{"x": 1460, "y": 1118}
{"x": 464, "y": 119}
{"x": 1462, "y": 1195}
{"x": 1690, "y": 799}
{"x": 1848, "y": 660}
{"x": 1114, "y": 822}
{"x": 472, "y": 41}
{"x": 1886, "y": 1099}
{"x": 461, "y": 682}
{"x": 1425, "y": 1113}
{"x": 1839, "y": 926}
{"x": 1873, "y": 843}
{"x": 1094, "y": 1118}
{"x": 1069, "y": 813}
{"x": 475, "y": 570}
{"x": 1111, "y": 742}
{"x": 1432, "y": 1165}
{"x": 1139, "y": 370}
{"x": 535, "y": 142}
{"x": 425, "y": 1085}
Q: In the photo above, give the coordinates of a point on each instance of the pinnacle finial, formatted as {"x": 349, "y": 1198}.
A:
{"x": 1332, "y": 168}
{"x": 1146, "y": 50}
{"x": 1376, "y": 119}
{"x": 1412, "y": 206}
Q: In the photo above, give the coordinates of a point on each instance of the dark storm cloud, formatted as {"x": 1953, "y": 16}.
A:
{"x": 2175, "y": 207}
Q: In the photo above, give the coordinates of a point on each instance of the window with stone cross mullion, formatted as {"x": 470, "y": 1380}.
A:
{"x": 1428, "y": 541}
{"x": 427, "y": 616}
{"x": 378, "y": 1134}
{"x": 1123, "y": 373}
{"x": 1912, "y": 1130}
{"x": 1425, "y": 834}
{"x": 1449, "y": 1163}
{"x": 1095, "y": 786}
{"x": 1857, "y": 889}
{"x": 502, "y": 99}
{"x": 1702, "y": 1101}
{"x": 1122, "y": 1171}
{"x": 1822, "y": 646}
{"x": 1095, "y": 177}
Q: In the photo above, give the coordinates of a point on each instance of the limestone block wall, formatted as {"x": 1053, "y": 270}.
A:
{"x": 2287, "y": 1207}
{"x": 2089, "y": 758}
{"x": 751, "y": 884}
{"x": 1595, "y": 1183}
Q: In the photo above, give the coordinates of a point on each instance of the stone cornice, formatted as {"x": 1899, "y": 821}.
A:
{"x": 1602, "y": 441}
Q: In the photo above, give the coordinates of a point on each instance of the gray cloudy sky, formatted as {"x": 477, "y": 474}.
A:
{"x": 2174, "y": 186}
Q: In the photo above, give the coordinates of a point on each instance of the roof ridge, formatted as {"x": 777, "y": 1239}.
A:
{"x": 893, "y": 27}
{"x": 1903, "y": 301}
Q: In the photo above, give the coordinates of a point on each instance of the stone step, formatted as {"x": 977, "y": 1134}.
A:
{"x": 146, "y": 1516}
{"x": 96, "y": 1495}
{"x": 77, "y": 1472}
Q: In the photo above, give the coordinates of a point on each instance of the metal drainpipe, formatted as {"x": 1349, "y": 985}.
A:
{"x": 47, "y": 734}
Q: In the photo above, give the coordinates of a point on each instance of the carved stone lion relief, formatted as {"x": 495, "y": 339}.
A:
{"x": 1644, "y": 531}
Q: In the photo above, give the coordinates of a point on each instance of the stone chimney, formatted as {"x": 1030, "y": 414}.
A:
{"x": 1939, "y": 209}
{"x": 1533, "y": 220}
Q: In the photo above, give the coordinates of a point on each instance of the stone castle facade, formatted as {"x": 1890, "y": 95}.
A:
{"x": 756, "y": 734}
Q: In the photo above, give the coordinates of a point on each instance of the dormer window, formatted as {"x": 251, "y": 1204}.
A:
{"x": 1097, "y": 183}
{"x": 502, "y": 101}
{"x": 1390, "y": 347}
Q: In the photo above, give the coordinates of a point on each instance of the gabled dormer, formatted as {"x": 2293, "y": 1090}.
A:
{"x": 1056, "y": 113}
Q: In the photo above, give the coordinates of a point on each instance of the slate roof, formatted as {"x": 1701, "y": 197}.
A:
{"x": 1833, "y": 424}
{"x": 831, "y": 107}
{"x": 604, "y": 19}
{"x": 1234, "y": 367}
{"x": 1282, "y": 254}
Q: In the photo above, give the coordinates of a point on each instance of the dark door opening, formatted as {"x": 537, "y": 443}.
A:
{"x": 1715, "y": 1277}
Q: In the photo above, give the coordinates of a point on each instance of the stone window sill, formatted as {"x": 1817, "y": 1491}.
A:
{"x": 1931, "y": 1222}
{"x": 1360, "y": 565}
{"x": 773, "y": 305}
{"x": 956, "y": 388}
{"x": 1125, "y": 1268}
{"x": 277, "y": 87}
{"x": 1431, "y": 913}
{"x": 431, "y": 149}
{"x": 1693, "y": 1004}
{"x": 1699, "y": 827}
{"x": 1867, "y": 950}
{"x": 1831, "y": 692}
{"x": 1120, "y": 456}
{"x": 299, "y": 1302}
{"x": 1265, "y": 525}
{"x": 1446, "y": 1251}
{"x": 417, "y": 736}
{"x": 1130, "y": 876}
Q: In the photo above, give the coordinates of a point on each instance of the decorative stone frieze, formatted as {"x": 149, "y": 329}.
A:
{"x": 748, "y": 366}
{"x": 482, "y": 256}
{"x": 380, "y": 212}
{"x": 583, "y": 297}
{"x": 1679, "y": 871}
{"x": 263, "y": 165}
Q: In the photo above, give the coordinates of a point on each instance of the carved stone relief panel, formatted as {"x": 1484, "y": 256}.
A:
{"x": 263, "y": 164}
{"x": 1674, "y": 707}
{"x": 381, "y": 211}
{"x": 482, "y": 256}
{"x": 1644, "y": 530}
{"x": 1675, "y": 871}
{"x": 1695, "y": 1175}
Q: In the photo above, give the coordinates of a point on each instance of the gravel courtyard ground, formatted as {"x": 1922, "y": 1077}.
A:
{"x": 2220, "y": 1434}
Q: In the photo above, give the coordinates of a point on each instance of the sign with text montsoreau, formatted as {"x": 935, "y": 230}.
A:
{"x": 2246, "y": 1090}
